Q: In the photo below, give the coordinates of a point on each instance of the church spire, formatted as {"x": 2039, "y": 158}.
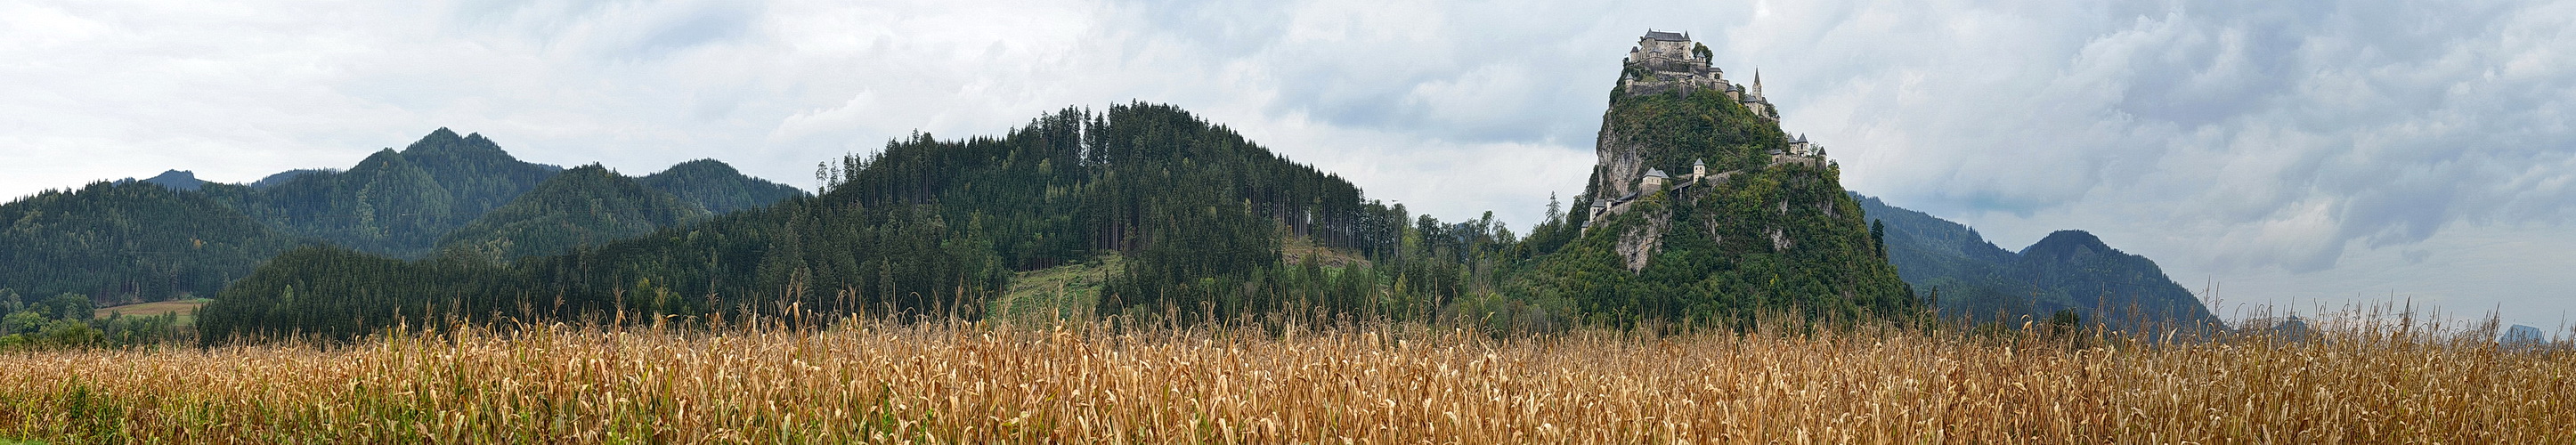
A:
{"x": 1757, "y": 82}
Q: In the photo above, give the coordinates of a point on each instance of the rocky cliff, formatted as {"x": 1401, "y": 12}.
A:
{"x": 1751, "y": 233}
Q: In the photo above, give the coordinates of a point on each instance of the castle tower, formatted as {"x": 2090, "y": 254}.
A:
{"x": 1664, "y": 51}
{"x": 1599, "y": 207}
{"x": 1757, "y": 86}
{"x": 1699, "y": 169}
{"x": 1654, "y": 182}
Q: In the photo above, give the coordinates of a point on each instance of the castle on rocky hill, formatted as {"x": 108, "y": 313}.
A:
{"x": 1666, "y": 62}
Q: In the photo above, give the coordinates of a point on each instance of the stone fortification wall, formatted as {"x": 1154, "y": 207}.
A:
{"x": 1810, "y": 161}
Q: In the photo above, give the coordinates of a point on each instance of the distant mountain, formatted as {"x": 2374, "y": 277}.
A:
{"x": 583, "y": 206}
{"x": 394, "y": 203}
{"x": 405, "y": 203}
{"x": 2523, "y": 337}
{"x": 2069, "y": 269}
{"x": 128, "y": 242}
{"x": 174, "y": 179}
{"x": 175, "y": 235}
{"x": 477, "y": 174}
{"x": 717, "y": 187}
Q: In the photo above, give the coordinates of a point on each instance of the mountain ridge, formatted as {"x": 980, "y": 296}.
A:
{"x": 931, "y": 226}
{"x": 392, "y": 202}
{"x": 2066, "y": 270}
{"x": 175, "y": 179}
{"x": 583, "y": 206}
{"x": 717, "y": 186}
{"x": 128, "y": 242}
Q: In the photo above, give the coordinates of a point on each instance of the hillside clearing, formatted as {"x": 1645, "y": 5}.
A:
{"x": 187, "y": 309}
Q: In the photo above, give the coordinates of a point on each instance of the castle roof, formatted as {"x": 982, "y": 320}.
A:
{"x": 1699, "y": 163}
{"x": 1666, "y": 36}
{"x": 1656, "y": 173}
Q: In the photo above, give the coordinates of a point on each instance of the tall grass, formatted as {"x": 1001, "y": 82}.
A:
{"x": 870, "y": 381}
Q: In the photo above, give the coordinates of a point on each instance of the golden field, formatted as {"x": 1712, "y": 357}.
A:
{"x": 870, "y": 381}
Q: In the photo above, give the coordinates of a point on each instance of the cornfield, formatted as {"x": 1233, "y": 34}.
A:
{"x": 874, "y": 381}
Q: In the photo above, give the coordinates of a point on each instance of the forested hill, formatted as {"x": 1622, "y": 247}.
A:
{"x": 394, "y": 202}
{"x": 172, "y": 235}
{"x": 2068, "y": 270}
{"x": 583, "y": 206}
{"x": 406, "y": 203}
{"x": 931, "y": 225}
{"x": 122, "y": 243}
{"x": 717, "y": 187}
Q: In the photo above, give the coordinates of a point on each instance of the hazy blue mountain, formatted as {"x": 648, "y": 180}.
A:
{"x": 174, "y": 179}
{"x": 2522, "y": 336}
{"x": 717, "y": 187}
{"x": 2069, "y": 269}
{"x": 175, "y": 235}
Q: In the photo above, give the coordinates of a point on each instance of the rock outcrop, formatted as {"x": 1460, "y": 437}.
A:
{"x": 1750, "y": 220}
{"x": 1638, "y": 244}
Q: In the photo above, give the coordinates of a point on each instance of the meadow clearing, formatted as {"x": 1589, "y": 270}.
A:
{"x": 956, "y": 382}
{"x": 185, "y": 309}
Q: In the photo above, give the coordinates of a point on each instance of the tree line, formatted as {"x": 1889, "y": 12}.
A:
{"x": 932, "y": 227}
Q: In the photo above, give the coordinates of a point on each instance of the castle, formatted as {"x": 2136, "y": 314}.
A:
{"x": 1654, "y": 181}
{"x": 1665, "y": 62}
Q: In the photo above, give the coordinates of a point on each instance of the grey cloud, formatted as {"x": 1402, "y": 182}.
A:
{"x": 2295, "y": 130}
{"x": 690, "y": 27}
{"x": 1467, "y": 72}
{"x": 621, "y": 31}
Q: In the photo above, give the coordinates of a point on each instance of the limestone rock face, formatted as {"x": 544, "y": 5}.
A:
{"x": 1638, "y": 244}
{"x": 1619, "y": 158}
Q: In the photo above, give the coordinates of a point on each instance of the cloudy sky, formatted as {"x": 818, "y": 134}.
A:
{"x": 2300, "y": 154}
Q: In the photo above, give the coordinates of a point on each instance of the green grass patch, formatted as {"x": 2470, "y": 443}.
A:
{"x": 1052, "y": 295}
{"x": 187, "y": 310}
